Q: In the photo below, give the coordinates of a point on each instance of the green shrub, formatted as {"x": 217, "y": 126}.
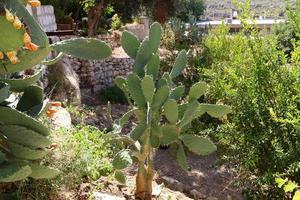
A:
{"x": 249, "y": 73}
{"x": 112, "y": 94}
{"x": 116, "y": 22}
{"x": 83, "y": 152}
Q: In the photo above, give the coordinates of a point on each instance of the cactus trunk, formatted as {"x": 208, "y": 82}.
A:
{"x": 144, "y": 180}
{"x": 149, "y": 179}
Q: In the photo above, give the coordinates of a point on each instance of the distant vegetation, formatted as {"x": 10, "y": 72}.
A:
{"x": 222, "y": 9}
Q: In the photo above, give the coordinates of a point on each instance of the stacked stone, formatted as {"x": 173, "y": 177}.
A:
{"x": 108, "y": 69}
{"x": 86, "y": 74}
{"x": 99, "y": 75}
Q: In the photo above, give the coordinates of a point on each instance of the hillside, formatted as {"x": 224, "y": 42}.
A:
{"x": 216, "y": 9}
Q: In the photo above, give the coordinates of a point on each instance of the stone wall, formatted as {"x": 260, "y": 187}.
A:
{"x": 98, "y": 75}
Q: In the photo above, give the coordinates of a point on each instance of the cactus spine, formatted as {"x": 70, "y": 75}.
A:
{"x": 161, "y": 116}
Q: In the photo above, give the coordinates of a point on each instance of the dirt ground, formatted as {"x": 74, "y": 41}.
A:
{"x": 205, "y": 177}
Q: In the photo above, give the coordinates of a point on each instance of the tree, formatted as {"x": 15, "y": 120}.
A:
{"x": 94, "y": 9}
{"x": 186, "y": 8}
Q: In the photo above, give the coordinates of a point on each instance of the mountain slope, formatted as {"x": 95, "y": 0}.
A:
{"x": 221, "y": 9}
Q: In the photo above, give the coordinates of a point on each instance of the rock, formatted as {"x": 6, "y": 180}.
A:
{"x": 106, "y": 196}
{"x": 61, "y": 119}
{"x": 172, "y": 183}
{"x": 172, "y": 195}
{"x": 64, "y": 82}
{"x": 156, "y": 191}
{"x": 212, "y": 198}
{"x": 197, "y": 195}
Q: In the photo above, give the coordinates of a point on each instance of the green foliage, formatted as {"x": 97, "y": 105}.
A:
{"x": 249, "y": 72}
{"x": 130, "y": 44}
{"x": 152, "y": 101}
{"x": 289, "y": 187}
{"x": 187, "y": 8}
{"x": 83, "y": 152}
{"x": 116, "y": 22}
{"x": 112, "y": 94}
{"x": 122, "y": 159}
{"x": 23, "y": 139}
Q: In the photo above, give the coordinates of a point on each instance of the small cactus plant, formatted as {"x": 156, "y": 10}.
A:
{"x": 23, "y": 45}
{"x": 161, "y": 111}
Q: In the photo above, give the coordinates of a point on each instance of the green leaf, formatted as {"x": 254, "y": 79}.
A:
{"x": 11, "y": 38}
{"x": 168, "y": 78}
{"x": 148, "y": 88}
{"x": 190, "y": 113}
{"x": 85, "y": 48}
{"x": 143, "y": 57}
{"x": 120, "y": 82}
{"x": 177, "y": 93}
{"x": 33, "y": 95}
{"x": 135, "y": 89}
{"x": 18, "y": 85}
{"x": 152, "y": 67}
{"x": 22, "y": 135}
{"x": 180, "y": 64}
{"x": 127, "y": 141}
{"x": 171, "y": 111}
{"x": 155, "y": 136}
{"x": 2, "y": 157}
{"x": 120, "y": 177}
{"x": 138, "y": 131}
{"x": 199, "y": 145}
{"x": 160, "y": 97}
{"x": 170, "y": 134}
{"x": 162, "y": 82}
{"x": 14, "y": 172}
{"x": 125, "y": 118}
{"x": 122, "y": 159}
{"x": 155, "y": 36}
{"x": 25, "y": 153}
{"x": 214, "y": 110}
{"x": 37, "y": 34}
{"x": 130, "y": 44}
{"x": 27, "y": 59}
{"x": 10, "y": 116}
{"x": 181, "y": 158}
{"x": 4, "y": 91}
{"x": 296, "y": 195}
{"x": 42, "y": 172}
{"x": 197, "y": 90}
{"x": 53, "y": 60}
{"x": 280, "y": 182}
{"x": 290, "y": 186}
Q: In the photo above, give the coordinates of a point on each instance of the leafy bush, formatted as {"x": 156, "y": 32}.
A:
{"x": 253, "y": 76}
{"x": 83, "y": 153}
{"x": 112, "y": 94}
{"x": 116, "y": 22}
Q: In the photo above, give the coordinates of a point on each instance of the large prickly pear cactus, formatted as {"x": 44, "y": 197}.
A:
{"x": 161, "y": 110}
{"x": 24, "y": 45}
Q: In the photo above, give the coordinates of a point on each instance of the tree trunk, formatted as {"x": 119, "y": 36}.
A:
{"x": 94, "y": 16}
{"x": 160, "y": 10}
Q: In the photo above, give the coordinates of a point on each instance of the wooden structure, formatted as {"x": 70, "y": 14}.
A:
{"x": 46, "y": 18}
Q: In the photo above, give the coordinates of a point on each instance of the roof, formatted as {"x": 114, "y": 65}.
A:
{"x": 237, "y": 22}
